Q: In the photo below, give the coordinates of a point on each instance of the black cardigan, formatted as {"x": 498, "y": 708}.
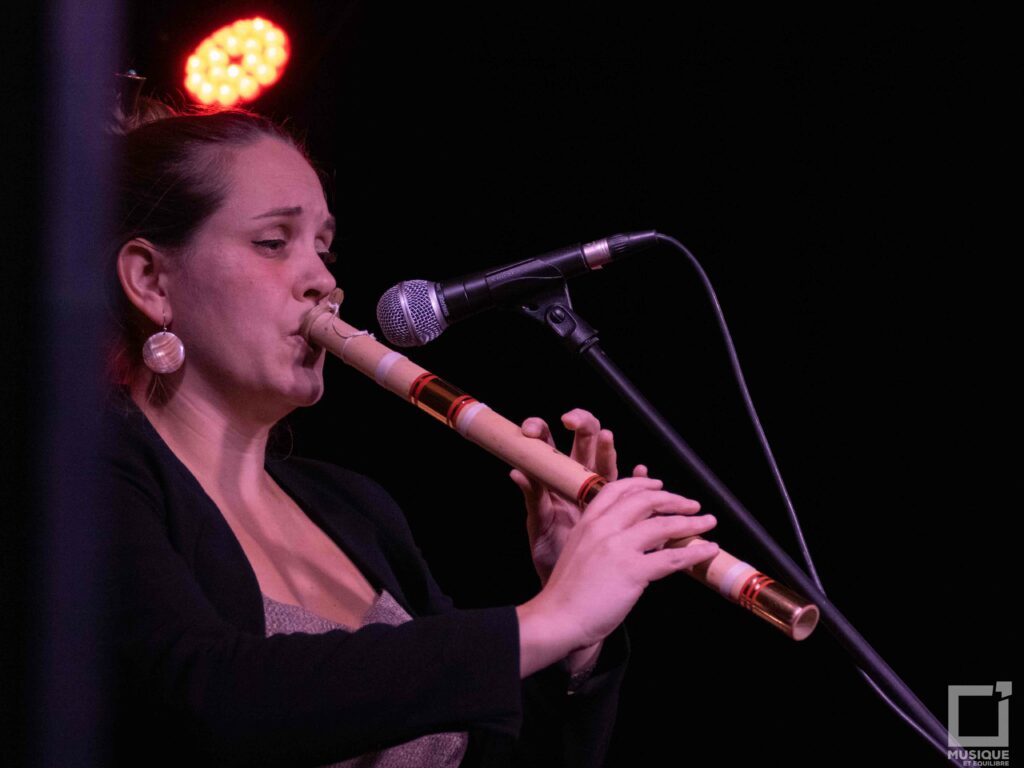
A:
{"x": 195, "y": 680}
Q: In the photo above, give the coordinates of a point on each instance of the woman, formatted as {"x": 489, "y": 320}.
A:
{"x": 280, "y": 613}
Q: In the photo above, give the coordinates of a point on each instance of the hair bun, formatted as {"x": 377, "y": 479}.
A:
{"x": 133, "y": 110}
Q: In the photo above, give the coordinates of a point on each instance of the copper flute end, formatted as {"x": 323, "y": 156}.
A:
{"x": 784, "y": 609}
{"x": 762, "y": 595}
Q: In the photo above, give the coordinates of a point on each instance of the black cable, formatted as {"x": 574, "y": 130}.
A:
{"x": 763, "y": 440}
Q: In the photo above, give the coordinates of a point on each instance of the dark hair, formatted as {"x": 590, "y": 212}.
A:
{"x": 171, "y": 177}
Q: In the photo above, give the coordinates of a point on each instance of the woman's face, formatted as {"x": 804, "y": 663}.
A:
{"x": 253, "y": 272}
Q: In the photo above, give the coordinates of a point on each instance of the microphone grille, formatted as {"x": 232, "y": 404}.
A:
{"x": 408, "y": 314}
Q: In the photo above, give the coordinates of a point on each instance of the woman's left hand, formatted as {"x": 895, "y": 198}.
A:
{"x": 549, "y": 517}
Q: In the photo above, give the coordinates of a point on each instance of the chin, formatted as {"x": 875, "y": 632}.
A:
{"x": 306, "y": 390}
{"x": 313, "y": 399}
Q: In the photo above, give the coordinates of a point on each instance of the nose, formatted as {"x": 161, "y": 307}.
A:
{"x": 316, "y": 281}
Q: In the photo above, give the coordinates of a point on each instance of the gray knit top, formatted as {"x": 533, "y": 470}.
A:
{"x": 436, "y": 749}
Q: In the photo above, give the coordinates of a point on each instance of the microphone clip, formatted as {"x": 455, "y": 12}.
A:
{"x": 551, "y": 306}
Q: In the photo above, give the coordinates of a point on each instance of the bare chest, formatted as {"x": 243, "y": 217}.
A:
{"x": 297, "y": 563}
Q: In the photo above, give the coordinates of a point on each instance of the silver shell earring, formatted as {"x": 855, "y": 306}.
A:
{"x": 163, "y": 352}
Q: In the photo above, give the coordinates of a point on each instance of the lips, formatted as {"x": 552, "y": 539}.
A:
{"x": 306, "y": 343}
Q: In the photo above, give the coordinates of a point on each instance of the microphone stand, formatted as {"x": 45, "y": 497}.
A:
{"x": 552, "y": 307}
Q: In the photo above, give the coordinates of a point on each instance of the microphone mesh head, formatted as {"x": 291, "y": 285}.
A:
{"x": 408, "y": 314}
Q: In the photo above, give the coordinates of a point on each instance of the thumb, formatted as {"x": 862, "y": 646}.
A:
{"x": 519, "y": 479}
{"x": 530, "y": 488}
{"x": 525, "y": 483}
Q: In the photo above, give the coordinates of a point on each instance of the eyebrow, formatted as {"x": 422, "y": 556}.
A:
{"x": 331, "y": 223}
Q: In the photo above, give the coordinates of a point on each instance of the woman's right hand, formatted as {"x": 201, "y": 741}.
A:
{"x": 611, "y": 555}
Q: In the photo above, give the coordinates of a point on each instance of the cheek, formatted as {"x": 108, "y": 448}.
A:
{"x": 230, "y": 299}
{"x": 233, "y": 317}
{"x": 218, "y": 323}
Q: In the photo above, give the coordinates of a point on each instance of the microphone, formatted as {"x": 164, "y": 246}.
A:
{"x": 415, "y": 312}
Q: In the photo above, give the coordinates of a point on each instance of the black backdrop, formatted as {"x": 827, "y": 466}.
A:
{"x": 831, "y": 174}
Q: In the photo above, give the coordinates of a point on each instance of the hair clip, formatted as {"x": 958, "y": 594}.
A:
{"x": 129, "y": 88}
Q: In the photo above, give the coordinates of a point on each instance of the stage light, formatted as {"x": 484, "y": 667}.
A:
{"x": 237, "y": 62}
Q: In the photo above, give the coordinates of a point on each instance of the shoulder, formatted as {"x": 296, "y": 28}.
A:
{"x": 130, "y": 455}
{"x": 141, "y": 471}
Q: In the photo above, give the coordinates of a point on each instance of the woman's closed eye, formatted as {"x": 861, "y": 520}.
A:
{"x": 329, "y": 257}
{"x": 270, "y": 245}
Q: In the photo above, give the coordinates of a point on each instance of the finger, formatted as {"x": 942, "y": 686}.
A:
{"x": 520, "y": 479}
{"x": 536, "y": 427}
{"x": 659, "y": 564}
{"x": 606, "y": 461}
{"x": 584, "y": 444}
{"x": 528, "y": 485}
{"x": 628, "y": 509}
{"x": 614, "y": 491}
{"x": 654, "y": 532}
{"x": 640, "y": 471}
{"x": 638, "y": 486}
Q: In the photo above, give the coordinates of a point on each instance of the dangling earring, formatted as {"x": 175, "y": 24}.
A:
{"x": 163, "y": 352}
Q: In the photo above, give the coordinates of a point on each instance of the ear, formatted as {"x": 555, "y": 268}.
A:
{"x": 142, "y": 270}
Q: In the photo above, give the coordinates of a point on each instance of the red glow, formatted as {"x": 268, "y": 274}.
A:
{"x": 237, "y": 62}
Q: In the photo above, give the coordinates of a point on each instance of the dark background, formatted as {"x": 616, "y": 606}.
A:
{"x": 836, "y": 175}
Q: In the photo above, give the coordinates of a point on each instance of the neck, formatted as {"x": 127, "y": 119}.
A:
{"x": 223, "y": 446}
